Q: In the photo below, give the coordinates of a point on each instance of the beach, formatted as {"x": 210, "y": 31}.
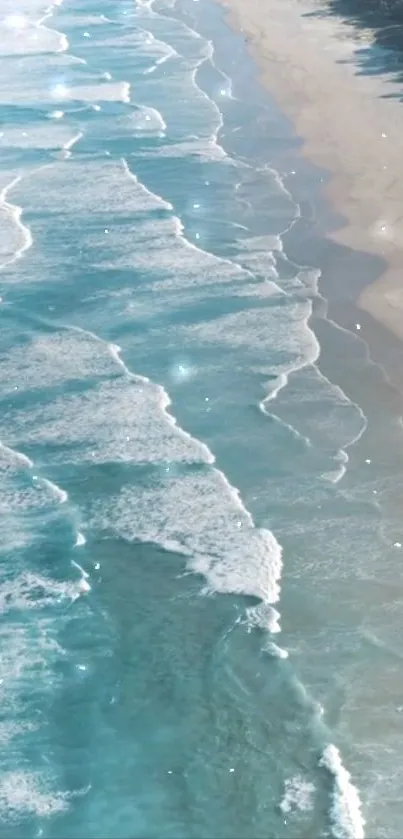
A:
{"x": 318, "y": 66}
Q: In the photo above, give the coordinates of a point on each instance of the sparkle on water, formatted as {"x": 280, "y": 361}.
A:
{"x": 60, "y": 91}
{"x": 181, "y": 372}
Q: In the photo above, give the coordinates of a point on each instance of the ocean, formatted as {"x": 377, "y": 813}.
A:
{"x": 199, "y": 489}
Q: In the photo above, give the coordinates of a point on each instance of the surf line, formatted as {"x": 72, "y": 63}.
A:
{"x": 15, "y": 213}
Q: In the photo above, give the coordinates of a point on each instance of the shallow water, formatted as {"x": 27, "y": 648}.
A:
{"x": 200, "y": 496}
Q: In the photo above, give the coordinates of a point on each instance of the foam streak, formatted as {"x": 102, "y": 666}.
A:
{"x": 345, "y": 813}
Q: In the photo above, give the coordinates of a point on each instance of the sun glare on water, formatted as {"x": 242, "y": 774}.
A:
{"x": 15, "y": 21}
{"x": 60, "y": 91}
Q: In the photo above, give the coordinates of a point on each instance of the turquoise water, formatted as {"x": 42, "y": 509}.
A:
{"x": 195, "y": 555}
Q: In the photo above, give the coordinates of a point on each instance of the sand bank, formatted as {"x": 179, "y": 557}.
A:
{"x": 351, "y": 124}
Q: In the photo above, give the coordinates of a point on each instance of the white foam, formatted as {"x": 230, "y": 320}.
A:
{"x": 33, "y": 607}
{"x": 16, "y": 237}
{"x": 83, "y": 584}
{"x": 187, "y": 265}
{"x": 298, "y": 795}
{"x": 119, "y": 420}
{"x": 68, "y": 145}
{"x": 82, "y": 20}
{"x": 10, "y": 730}
{"x": 141, "y": 42}
{"x": 107, "y": 185}
{"x": 263, "y": 616}
{"x": 105, "y": 92}
{"x": 33, "y": 591}
{"x": 156, "y": 245}
{"x": 80, "y": 540}
{"x": 37, "y": 136}
{"x": 29, "y": 653}
{"x": 335, "y": 475}
{"x": 205, "y": 149}
{"x": 21, "y": 36}
{"x": 294, "y": 431}
{"x": 147, "y": 121}
{"x": 258, "y": 253}
{"x": 63, "y": 42}
{"x": 26, "y": 647}
{"x": 14, "y": 501}
{"x": 115, "y": 351}
{"x": 325, "y": 416}
{"x": 248, "y": 329}
{"x": 9, "y": 458}
{"x": 78, "y": 566}
{"x": 224, "y": 270}
{"x": 59, "y": 493}
{"x": 25, "y": 793}
{"x": 15, "y": 535}
{"x": 34, "y": 81}
{"x": 124, "y": 418}
{"x": 55, "y": 359}
{"x": 346, "y": 817}
{"x": 198, "y": 514}
{"x": 152, "y": 200}
{"x": 275, "y": 651}
{"x": 20, "y": 661}
{"x": 201, "y": 116}
{"x": 169, "y": 53}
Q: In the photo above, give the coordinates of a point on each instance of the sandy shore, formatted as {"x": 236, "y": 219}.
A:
{"x": 311, "y": 64}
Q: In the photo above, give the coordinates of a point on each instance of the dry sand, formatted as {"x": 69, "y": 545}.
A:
{"x": 311, "y": 64}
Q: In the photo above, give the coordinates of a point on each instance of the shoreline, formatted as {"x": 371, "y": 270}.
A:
{"x": 308, "y": 62}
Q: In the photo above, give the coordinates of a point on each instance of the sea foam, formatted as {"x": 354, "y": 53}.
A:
{"x": 345, "y": 813}
{"x": 199, "y": 515}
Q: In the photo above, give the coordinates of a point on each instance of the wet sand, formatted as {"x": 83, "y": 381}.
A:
{"x": 351, "y": 121}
